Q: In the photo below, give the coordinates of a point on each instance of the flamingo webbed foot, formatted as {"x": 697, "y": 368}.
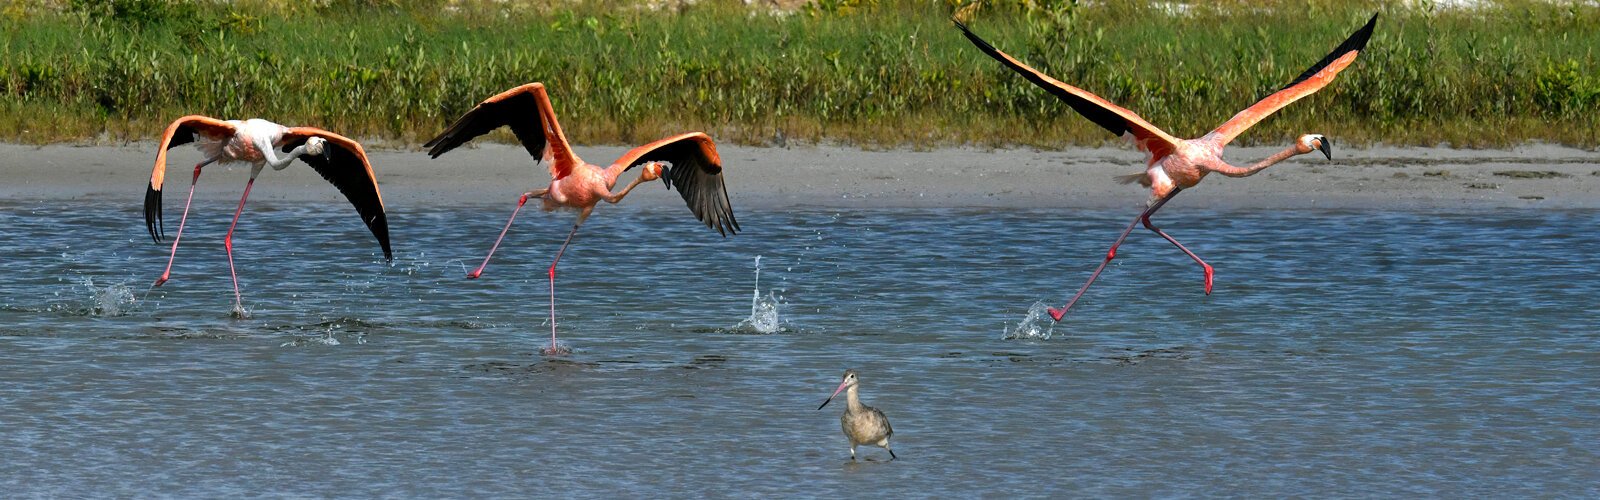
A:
{"x": 161, "y": 280}
{"x": 1208, "y": 278}
{"x": 1056, "y": 313}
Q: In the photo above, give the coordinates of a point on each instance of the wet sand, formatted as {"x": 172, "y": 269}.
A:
{"x": 828, "y": 176}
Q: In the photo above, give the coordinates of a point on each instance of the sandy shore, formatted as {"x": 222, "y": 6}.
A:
{"x": 1376, "y": 178}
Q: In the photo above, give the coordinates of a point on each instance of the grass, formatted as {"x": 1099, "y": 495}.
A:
{"x": 889, "y": 73}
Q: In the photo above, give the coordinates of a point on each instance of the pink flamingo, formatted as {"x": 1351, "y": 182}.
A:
{"x": 1177, "y": 164}
{"x": 696, "y": 170}
{"x": 340, "y": 160}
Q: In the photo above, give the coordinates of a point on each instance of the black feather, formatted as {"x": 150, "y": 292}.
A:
{"x": 1096, "y": 113}
{"x": 152, "y": 196}
{"x": 345, "y": 170}
{"x": 698, "y": 179}
{"x": 1356, "y": 42}
{"x": 152, "y": 212}
{"x": 520, "y": 112}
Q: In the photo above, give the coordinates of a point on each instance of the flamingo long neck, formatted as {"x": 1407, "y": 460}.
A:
{"x": 277, "y": 163}
{"x": 612, "y": 172}
{"x": 1224, "y": 168}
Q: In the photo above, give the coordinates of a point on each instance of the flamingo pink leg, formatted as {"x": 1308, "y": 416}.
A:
{"x": 227, "y": 243}
{"x": 553, "y": 348}
{"x": 168, "y": 273}
{"x": 1058, "y": 313}
{"x": 1203, "y": 264}
{"x": 479, "y": 271}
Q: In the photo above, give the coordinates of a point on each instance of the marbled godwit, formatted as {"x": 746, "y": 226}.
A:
{"x": 862, "y": 424}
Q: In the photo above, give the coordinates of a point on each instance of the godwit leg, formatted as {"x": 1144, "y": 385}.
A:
{"x": 520, "y": 202}
{"x": 553, "y": 348}
{"x": 227, "y": 243}
{"x": 168, "y": 273}
{"x": 1056, "y": 313}
{"x": 1203, "y": 264}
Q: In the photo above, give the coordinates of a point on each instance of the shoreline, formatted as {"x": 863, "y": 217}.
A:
{"x": 1534, "y": 176}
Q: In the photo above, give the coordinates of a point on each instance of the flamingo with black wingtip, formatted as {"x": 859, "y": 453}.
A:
{"x": 258, "y": 142}
{"x": 687, "y": 162}
{"x": 1176, "y": 164}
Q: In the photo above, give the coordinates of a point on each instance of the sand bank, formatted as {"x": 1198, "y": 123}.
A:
{"x": 828, "y": 176}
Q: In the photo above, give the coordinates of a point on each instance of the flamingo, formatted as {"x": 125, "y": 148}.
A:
{"x": 862, "y": 424}
{"x": 1176, "y": 164}
{"x": 695, "y": 169}
{"x": 340, "y": 160}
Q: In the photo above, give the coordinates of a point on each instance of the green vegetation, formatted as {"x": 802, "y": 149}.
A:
{"x": 876, "y": 73}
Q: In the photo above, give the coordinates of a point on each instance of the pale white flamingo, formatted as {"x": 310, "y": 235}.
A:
{"x": 258, "y": 142}
{"x": 1176, "y": 164}
{"x": 862, "y": 424}
{"x": 695, "y": 169}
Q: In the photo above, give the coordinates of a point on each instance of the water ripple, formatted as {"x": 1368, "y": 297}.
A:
{"x": 1343, "y": 353}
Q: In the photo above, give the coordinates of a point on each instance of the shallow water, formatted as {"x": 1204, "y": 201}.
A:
{"x": 1342, "y": 353}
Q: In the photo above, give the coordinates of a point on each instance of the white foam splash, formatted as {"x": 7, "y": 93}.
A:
{"x": 328, "y": 338}
{"x": 239, "y": 312}
{"x": 559, "y": 349}
{"x": 763, "y": 310}
{"x": 111, "y": 300}
{"x": 1036, "y": 325}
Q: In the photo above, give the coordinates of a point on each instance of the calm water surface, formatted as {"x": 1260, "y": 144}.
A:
{"x": 1343, "y": 353}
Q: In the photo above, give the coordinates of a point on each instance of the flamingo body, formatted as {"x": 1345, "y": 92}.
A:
{"x": 258, "y": 142}
{"x": 1173, "y": 164}
{"x": 687, "y": 162}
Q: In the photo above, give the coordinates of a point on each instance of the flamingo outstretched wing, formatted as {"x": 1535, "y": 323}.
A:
{"x": 179, "y": 132}
{"x": 696, "y": 173}
{"x": 344, "y": 164}
{"x": 1114, "y": 118}
{"x": 527, "y": 110}
{"x": 1312, "y": 80}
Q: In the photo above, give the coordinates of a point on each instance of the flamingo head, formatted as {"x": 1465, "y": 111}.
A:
{"x": 1315, "y": 142}
{"x": 316, "y": 145}
{"x": 849, "y": 382}
{"x": 652, "y": 170}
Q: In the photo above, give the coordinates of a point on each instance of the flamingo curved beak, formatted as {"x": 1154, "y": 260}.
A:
{"x": 1326, "y": 147}
{"x": 666, "y": 176}
{"x": 835, "y": 393}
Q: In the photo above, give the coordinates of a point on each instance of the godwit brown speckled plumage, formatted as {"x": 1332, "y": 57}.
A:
{"x": 862, "y": 424}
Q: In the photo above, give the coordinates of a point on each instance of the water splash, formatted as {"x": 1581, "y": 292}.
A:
{"x": 559, "y": 349}
{"x": 1036, "y": 325}
{"x": 763, "y": 310}
{"x": 239, "y": 312}
{"x": 111, "y": 300}
{"x": 327, "y": 338}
